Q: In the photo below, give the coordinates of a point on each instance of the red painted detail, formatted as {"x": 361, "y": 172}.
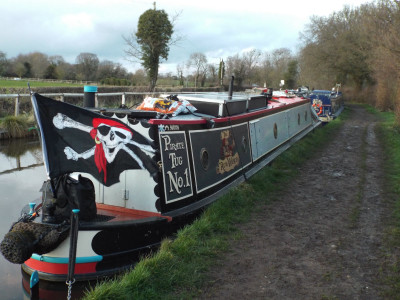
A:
{"x": 123, "y": 214}
{"x": 260, "y": 112}
{"x": 52, "y": 268}
{"x": 176, "y": 122}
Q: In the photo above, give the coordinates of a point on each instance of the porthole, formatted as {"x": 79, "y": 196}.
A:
{"x": 298, "y": 119}
{"x": 275, "y": 131}
{"x": 204, "y": 158}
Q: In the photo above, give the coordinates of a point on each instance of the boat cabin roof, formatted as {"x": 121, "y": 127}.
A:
{"x": 220, "y": 98}
{"x": 208, "y": 106}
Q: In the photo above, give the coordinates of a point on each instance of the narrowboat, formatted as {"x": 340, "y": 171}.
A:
{"x": 327, "y": 104}
{"x": 138, "y": 175}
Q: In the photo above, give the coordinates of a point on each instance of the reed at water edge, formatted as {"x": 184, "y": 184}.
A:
{"x": 17, "y": 126}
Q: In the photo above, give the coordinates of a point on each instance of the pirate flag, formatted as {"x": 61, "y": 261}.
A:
{"x": 75, "y": 139}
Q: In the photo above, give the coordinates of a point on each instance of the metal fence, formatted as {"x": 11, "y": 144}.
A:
{"x": 62, "y": 96}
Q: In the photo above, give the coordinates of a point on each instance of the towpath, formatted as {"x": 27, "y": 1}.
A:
{"x": 323, "y": 238}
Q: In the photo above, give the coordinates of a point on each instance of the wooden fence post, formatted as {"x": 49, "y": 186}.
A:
{"x": 17, "y": 105}
{"x": 96, "y": 100}
{"x": 123, "y": 99}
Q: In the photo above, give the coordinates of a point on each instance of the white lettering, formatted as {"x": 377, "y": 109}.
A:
{"x": 168, "y": 146}
{"x": 167, "y": 141}
{"x": 174, "y": 182}
{"x": 175, "y": 160}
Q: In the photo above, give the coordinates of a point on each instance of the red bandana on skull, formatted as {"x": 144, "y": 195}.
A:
{"x": 99, "y": 155}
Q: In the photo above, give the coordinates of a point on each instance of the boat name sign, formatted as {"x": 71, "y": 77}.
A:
{"x": 176, "y": 169}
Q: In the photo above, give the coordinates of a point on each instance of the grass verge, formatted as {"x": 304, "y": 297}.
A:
{"x": 389, "y": 135}
{"x": 24, "y": 84}
{"x": 178, "y": 269}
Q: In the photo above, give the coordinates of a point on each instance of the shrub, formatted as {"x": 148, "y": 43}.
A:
{"x": 16, "y": 126}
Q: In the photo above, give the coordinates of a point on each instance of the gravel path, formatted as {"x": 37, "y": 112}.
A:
{"x": 322, "y": 239}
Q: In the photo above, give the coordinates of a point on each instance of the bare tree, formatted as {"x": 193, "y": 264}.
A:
{"x": 109, "y": 69}
{"x": 39, "y": 63}
{"x": 235, "y": 66}
{"x": 340, "y": 45}
{"x": 87, "y": 65}
{"x": 35, "y": 64}
{"x": 3, "y": 63}
{"x": 243, "y": 67}
{"x": 179, "y": 70}
{"x": 251, "y": 59}
{"x": 56, "y": 60}
{"x": 19, "y": 69}
{"x": 198, "y": 61}
{"x": 139, "y": 78}
{"x": 212, "y": 71}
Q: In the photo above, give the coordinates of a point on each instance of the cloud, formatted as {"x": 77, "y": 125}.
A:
{"x": 78, "y": 23}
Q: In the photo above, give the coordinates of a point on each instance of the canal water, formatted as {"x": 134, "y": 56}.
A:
{"x": 21, "y": 176}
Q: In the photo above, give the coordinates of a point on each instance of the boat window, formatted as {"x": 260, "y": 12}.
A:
{"x": 322, "y": 93}
{"x": 275, "y": 131}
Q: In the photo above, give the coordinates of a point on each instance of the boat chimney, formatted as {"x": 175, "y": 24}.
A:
{"x": 230, "y": 92}
{"x": 89, "y": 95}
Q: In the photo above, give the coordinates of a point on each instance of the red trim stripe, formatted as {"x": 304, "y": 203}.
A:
{"x": 52, "y": 268}
{"x": 176, "y": 122}
{"x": 262, "y": 112}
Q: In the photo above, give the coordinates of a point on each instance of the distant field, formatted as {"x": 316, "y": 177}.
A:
{"x": 24, "y": 84}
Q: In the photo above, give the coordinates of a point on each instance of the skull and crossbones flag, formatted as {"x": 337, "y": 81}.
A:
{"x": 75, "y": 139}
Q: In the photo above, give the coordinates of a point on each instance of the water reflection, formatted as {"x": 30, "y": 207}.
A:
{"x": 21, "y": 176}
{"x": 19, "y": 154}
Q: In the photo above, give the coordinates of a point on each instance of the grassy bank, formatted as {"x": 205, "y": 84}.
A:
{"x": 178, "y": 269}
{"x": 24, "y": 83}
{"x": 389, "y": 134}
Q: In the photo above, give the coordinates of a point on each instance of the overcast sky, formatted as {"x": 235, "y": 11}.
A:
{"x": 216, "y": 28}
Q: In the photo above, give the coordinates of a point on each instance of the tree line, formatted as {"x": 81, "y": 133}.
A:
{"x": 358, "y": 47}
{"x": 87, "y": 67}
{"x": 249, "y": 68}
